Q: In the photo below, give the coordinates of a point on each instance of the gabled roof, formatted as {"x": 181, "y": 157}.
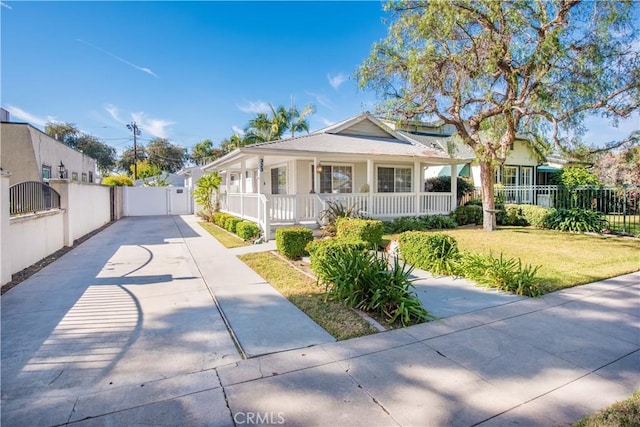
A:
{"x": 360, "y": 135}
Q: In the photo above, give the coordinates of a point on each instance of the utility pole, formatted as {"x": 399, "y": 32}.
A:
{"x": 133, "y": 127}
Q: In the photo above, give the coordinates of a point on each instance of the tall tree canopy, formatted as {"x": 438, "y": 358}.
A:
{"x": 272, "y": 126}
{"x": 497, "y": 69}
{"x": 204, "y": 152}
{"x": 90, "y": 145}
{"x": 169, "y": 157}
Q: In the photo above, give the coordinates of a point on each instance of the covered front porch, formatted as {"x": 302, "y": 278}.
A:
{"x": 271, "y": 190}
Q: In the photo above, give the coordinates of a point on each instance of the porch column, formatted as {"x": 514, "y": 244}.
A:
{"x": 316, "y": 176}
{"x": 454, "y": 187}
{"x": 243, "y": 183}
{"x": 371, "y": 186}
{"x": 417, "y": 185}
{"x": 260, "y": 174}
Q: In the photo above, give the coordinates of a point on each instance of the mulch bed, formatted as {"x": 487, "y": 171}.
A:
{"x": 23, "y": 275}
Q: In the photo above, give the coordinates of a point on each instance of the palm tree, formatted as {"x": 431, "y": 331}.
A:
{"x": 297, "y": 120}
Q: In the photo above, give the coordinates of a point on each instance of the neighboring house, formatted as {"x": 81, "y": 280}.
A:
{"x": 191, "y": 175}
{"x": 524, "y": 177}
{"x": 32, "y": 155}
{"x": 360, "y": 162}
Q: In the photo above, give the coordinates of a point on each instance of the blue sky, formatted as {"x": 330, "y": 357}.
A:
{"x": 189, "y": 71}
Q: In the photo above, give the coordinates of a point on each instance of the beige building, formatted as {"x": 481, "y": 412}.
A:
{"x": 31, "y": 155}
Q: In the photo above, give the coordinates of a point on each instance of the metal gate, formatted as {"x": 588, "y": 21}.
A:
{"x": 142, "y": 201}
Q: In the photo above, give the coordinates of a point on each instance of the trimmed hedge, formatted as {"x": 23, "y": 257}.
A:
{"x": 367, "y": 230}
{"x": 469, "y": 214}
{"x": 247, "y": 230}
{"x": 434, "y": 252}
{"x": 220, "y": 218}
{"x": 292, "y": 241}
{"x": 230, "y": 224}
{"x": 323, "y": 250}
{"x": 523, "y": 215}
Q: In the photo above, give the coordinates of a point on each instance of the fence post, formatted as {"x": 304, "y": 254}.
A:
{"x": 5, "y": 260}
{"x": 63, "y": 187}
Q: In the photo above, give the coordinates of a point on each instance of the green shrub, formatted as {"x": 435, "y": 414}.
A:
{"x": 511, "y": 215}
{"x": 321, "y": 250}
{"x": 439, "y": 222}
{"x": 419, "y": 223}
{"x": 434, "y": 252}
{"x": 469, "y": 214}
{"x": 117, "y": 181}
{"x": 335, "y": 211}
{"x": 367, "y": 230}
{"x": 247, "y": 230}
{"x": 292, "y": 241}
{"x": 507, "y": 274}
{"x": 534, "y": 215}
{"x": 230, "y": 224}
{"x": 220, "y": 218}
{"x": 575, "y": 220}
{"x": 365, "y": 280}
{"x": 442, "y": 184}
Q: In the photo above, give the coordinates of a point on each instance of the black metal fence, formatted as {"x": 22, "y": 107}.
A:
{"x": 32, "y": 196}
{"x": 620, "y": 205}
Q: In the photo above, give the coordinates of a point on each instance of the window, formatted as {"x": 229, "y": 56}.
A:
{"x": 74, "y": 176}
{"x": 509, "y": 175}
{"x": 279, "y": 180}
{"x": 46, "y": 173}
{"x": 84, "y": 177}
{"x": 336, "y": 179}
{"x": 394, "y": 180}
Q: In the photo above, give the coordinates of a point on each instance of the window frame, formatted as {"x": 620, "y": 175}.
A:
{"x": 325, "y": 167}
{"x": 395, "y": 168}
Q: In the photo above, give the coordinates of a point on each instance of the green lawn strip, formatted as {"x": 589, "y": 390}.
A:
{"x": 625, "y": 413}
{"x": 229, "y": 240}
{"x": 566, "y": 259}
{"x": 339, "y": 321}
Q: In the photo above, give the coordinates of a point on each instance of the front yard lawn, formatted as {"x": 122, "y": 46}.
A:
{"x": 338, "y": 320}
{"x": 566, "y": 259}
{"x": 223, "y": 236}
{"x": 625, "y": 413}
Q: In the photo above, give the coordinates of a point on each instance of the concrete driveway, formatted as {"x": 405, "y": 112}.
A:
{"x": 132, "y": 328}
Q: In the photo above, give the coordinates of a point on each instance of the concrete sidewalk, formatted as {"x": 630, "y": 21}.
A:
{"x": 124, "y": 330}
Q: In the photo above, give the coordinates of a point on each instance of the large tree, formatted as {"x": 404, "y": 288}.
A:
{"x": 169, "y": 157}
{"x": 204, "y": 152}
{"x": 273, "y": 125}
{"x": 69, "y": 134}
{"x": 500, "y": 69}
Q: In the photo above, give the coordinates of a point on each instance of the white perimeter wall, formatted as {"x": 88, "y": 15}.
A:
{"x": 29, "y": 238}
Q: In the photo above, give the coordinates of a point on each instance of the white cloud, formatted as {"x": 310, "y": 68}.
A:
{"x": 155, "y": 127}
{"x": 254, "y": 107}
{"x": 113, "y": 55}
{"x": 326, "y": 122}
{"x": 336, "y": 81}
{"x": 152, "y": 126}
{"x": 237, "y": 130}
{"x": 3, "y": 4}
{"x": 28, "y": 117}
{"x": 322, "y": 100}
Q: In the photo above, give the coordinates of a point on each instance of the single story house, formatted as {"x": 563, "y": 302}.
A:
{"x": 359, "y": 162}
{"x": 32, "y": 155}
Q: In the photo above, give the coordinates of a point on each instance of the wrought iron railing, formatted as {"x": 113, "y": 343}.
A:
{"x": 31, "y": 197}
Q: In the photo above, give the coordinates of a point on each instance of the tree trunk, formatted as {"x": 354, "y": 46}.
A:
{"x": 488, "y": 201}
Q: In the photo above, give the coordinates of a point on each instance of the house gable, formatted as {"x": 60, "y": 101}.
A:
{"x": 365, "y": 128}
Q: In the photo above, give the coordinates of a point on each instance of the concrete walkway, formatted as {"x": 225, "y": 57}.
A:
{"x": 124, "y": 330}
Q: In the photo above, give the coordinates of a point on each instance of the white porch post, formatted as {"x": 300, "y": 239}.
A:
{"x": 316, "y": 178}
{"x": 5, "y": 257}
{"x": 417, "y": 185}
{"x": 243, "y": 183}
{"x": 454, "y": 187}
{"x": 370, "y": 185}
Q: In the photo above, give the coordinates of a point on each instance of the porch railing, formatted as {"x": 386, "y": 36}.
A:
{"x": 31, "y": 197}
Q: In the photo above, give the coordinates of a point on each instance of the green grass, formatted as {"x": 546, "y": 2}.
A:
{"x": 229, "y": 240}
{"x": 339, "y": 321}
{"x": 566, "y": 259}
{"x": 625, "y": 413}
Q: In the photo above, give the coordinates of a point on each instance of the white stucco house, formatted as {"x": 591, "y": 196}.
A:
{"x": 360, "y": 162}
